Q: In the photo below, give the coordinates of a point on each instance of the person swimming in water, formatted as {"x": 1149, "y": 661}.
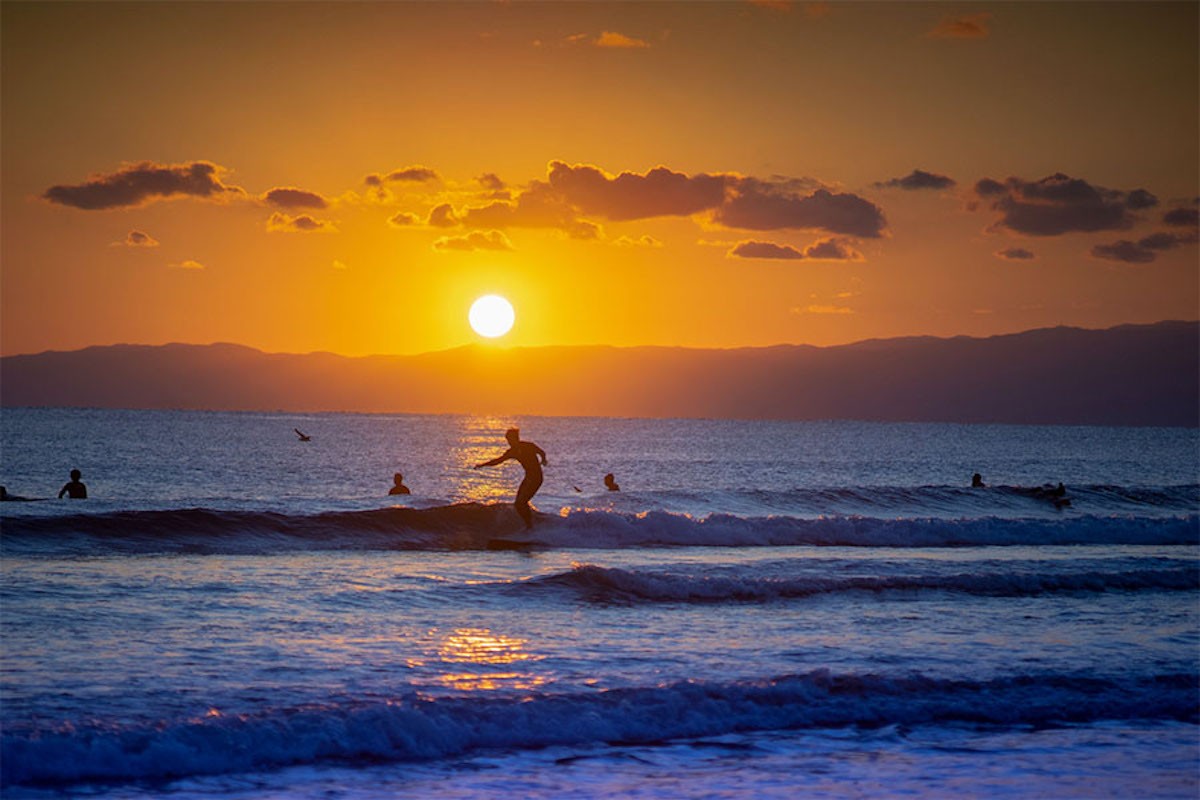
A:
{"x": 398, "y": 486}
{"x": 527, "y": 455}
{"x": 977, "y": 481}
{"x": 74, "y": 488}
{"x": 611, "y": 483}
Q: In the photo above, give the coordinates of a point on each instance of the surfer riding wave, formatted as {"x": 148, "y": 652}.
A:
{"x": 528, "y": 455}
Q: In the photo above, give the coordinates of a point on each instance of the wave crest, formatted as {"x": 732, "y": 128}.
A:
{"x": 417, "y": 728}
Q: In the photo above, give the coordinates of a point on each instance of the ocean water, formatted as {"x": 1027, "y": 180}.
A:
{"x": 764, "y": 609}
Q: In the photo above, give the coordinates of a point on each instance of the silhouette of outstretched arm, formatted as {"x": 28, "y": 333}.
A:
{"x": 497, "y": 460}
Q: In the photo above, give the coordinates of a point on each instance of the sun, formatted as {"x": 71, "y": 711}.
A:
{"x": 491, "y": 316}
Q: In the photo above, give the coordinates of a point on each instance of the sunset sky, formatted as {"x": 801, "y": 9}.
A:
{"x": 348, "y": 177}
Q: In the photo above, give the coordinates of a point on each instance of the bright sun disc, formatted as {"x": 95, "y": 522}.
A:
{"x": 491, "y": 316}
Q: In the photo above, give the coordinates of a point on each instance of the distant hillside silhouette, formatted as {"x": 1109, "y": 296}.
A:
{"x": 1128, "y": 375}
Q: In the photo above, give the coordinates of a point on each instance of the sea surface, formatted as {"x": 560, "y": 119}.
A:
{"x": 767, "y": 610}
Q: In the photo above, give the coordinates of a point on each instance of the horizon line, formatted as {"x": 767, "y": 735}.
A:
{"x": 512, "y": 348}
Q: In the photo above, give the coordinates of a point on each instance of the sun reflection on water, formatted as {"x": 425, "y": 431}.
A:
{"x": 482, "y": 647}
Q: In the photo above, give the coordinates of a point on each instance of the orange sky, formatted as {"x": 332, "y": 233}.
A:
{"x": 350, "y": 176}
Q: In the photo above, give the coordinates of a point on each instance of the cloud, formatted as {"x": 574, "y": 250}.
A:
{"x": 475, "y": 240}
{"x": 832, "y": 249}
{"x": 755, "y": 205}
{"x": 289, "y": 197}
{"x": 1181, "y": 217}
{"x": 571, "y": 192}
{"x": 918, "y": 179}
{"x": 970, "y": 26}
{"x": 189, "y": 264}
{"x": 1015, "y": 254}
{"x": 443, "y": 216}
{"x": 641, "y": 241}
{"x": 403, "y": 219}
{"x": 1061, "y": 204}
{"x": 491, "y": 182}
{"x": 138, "y": 239}
{"x": 660, "y": 192}
{"x": 819, "y": 309}
{"x": 538, "y": 206}
{"x": 1144, "y": 250}
{"x": 142, "y": 183}
{"x": 339, "y": 265}
{"x": 416, "y": 174}
{"x": 607, "y": 39}
{"x": 619, "y": 40}
{"x": 1126, "y": 251}
{"x": 302, "y": 223}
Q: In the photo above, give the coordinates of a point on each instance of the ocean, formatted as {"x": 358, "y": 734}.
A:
{"x": 765, "y": 609}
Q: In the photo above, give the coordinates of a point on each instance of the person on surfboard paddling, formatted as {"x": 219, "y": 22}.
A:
{"x": 527, "y": 455}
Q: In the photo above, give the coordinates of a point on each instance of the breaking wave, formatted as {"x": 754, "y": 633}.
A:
{"x": 608, "y": 584}
{"x": 474, "y": 526}
{"x": 423, "y": 728}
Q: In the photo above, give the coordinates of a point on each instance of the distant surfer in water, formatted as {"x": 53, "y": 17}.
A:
{"x": 977, "y": 481}
{"x": 304, "y": 437}
{"x": 611, "y": 483}
{"x": 74, "y": 488}
{"x": 527, "y": 455}
{"x": 398, "y": 486}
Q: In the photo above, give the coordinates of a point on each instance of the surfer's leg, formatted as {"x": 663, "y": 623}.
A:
{"x": 525, "y": 512}
{"x": 525, "y": 493}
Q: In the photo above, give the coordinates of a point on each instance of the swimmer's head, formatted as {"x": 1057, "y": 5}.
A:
{"x": 513, "y": 435}
{"x": 76, "y": 474}
{"x": 397, "y": 478}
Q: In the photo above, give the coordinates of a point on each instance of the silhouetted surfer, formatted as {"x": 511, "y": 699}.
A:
{"x": 74, "y": 488}
{"x": 611, "y": 483}
{"x": 527, "y": 455}
{"x": 398, "y": 486}
{"x": 303, "y": 437}
{"x": 977, "y": 481}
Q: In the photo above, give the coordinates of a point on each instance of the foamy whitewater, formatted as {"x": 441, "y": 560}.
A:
{"x": 765, "y": 609}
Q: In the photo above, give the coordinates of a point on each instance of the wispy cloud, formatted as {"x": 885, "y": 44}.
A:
{"x": 189, "y": 264}
{"x": 607, "y": 40}
{"x": 1015, "y": 254}
{"x": 968, "y": 26}
{"x": 641, "y": 241}
{"x": 823, "y": 309}
{"x": 620, "y": 41}
{"x": 475, "y": 240}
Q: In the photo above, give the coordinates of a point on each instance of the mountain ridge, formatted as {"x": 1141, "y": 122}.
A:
{"x": 1124, "y": 375}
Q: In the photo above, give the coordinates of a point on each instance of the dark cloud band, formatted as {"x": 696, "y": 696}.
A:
{"x": 142, "y": 183}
